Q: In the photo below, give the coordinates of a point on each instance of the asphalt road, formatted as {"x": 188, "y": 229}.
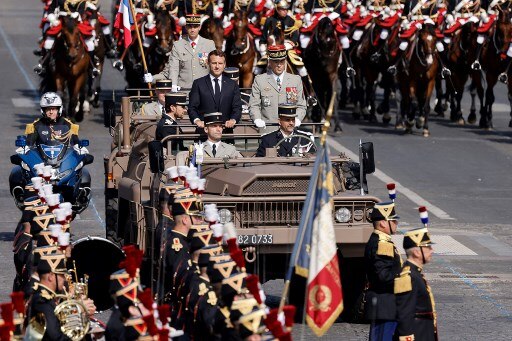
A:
{"x": 461, "y": 173}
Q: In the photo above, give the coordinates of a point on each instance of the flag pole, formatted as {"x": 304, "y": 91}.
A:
{"x": 144, "y": 65}
{"x": 325, "y": 129}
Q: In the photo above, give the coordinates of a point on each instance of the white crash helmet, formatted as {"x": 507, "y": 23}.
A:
{"x": 50, "y": 99}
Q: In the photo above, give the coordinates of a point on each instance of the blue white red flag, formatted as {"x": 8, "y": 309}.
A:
{"x": 124, "y": 21}
{"x": 314, "y": 255}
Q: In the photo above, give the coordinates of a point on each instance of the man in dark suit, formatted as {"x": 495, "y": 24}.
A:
{"x": 292, "y": 145}
{"x": 215, "y": 93}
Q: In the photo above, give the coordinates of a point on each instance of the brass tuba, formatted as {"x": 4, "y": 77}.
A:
{"x": 73, "y": 318}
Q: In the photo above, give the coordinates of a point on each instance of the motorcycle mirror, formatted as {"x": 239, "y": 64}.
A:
{"x": 156, "y": 157}
{"x": 88, "y": 159}
{"x": 109, "y": 113}
{"x": 83, "y": 143}
{"x": 16, "y": 159}
{"x": 368, "y": 157}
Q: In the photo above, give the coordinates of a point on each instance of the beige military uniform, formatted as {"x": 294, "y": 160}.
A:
{"x": 223, "y": 150}
{"x": 265, "y": 97}
{"x": 152, "y": 109}
{"x": 185, "y": 63}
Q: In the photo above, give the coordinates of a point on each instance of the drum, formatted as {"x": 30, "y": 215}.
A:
{"x": 98, "y": 258}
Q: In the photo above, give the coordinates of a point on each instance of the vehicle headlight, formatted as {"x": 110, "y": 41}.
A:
{"x": 343, "y": 215}
{"x": 225, "y": 216}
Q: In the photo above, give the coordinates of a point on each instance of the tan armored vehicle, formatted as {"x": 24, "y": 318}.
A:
{"x": 262, "y": 196}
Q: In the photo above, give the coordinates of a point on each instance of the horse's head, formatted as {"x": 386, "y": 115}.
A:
{"x": 325, "y": 35}
{"x": 164, "y": 31}
{"x": 503, "y": 34}
{"x": 427, "y": 44}
{"x": 275, "y": 35}
{"x": 71, "y": 39}
{"x": 240, "y": 30}
{"x": 215, "y": 31}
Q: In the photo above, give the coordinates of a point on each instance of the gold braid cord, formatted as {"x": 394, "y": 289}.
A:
{"x": 328, "y": 3}
{"x": 72, "y": 3}
{"x": 196, "y": 7}
{"x": 241, "y": 3}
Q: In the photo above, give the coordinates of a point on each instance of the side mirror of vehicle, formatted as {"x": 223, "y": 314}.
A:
{"x": 156, "y": 157}
{"x": 109, "y": 113}
{"x": 88, "y": 159}
{"x": 368, "y": 157}
{"x": 83, "y": 143}
{"x": 21, "y": 141}
{"x": 16, "y": 159}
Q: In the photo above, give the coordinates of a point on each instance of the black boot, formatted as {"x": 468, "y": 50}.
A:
{"x": 94, "y": 62}
{"x": 111, "y": 46}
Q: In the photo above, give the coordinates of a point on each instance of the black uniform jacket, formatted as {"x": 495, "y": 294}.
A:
{"x": 286, "y": 148}
{"x": 43, "y": 132}
{"x": 415, "y": 304}
{"x": 383, "y": 264}
{"x": 43, "y": 302}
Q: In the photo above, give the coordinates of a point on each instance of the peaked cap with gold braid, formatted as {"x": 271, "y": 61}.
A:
{"x": 384, "y": 211}
{"x": 416, "y": 238}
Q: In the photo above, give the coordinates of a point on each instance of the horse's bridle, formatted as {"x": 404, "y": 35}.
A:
{"x": 417, "y": 50}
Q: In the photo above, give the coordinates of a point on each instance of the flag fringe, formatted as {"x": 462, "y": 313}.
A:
{"x": 320, "y": 331}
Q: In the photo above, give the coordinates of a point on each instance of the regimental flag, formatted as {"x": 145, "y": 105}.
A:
{"x": 314, "y": 255}
{"x": 124, "y": 21}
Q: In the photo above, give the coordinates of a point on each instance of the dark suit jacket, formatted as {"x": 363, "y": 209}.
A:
{"x": 202, "y": 99}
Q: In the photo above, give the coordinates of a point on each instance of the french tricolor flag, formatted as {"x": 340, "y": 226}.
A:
{"x": 124, "y": 21}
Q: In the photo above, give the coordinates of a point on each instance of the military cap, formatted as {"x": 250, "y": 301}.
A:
{"x": 135, "y": 328}
{"x": 175, "y": 98}
{"x": 212, "y": 250}
{"x": 276, "y": 52}
{"x": 242, "y": 306}
{"x": 282, "y": 4}
{"x": 43, "y": 250}
{"x": 416, "y": 238}
{"x": 232, "y": 286}
{"x": 214, "y": 117}
{"x": 193, "y": 19}
{"x": 200, "y": 240}
{"x": 125, "y": 290}
{"x": 44, "y": 238}
{"x": 31, "y": 201}
{"x": 383, "y": 211}
{"x": 38, "y": 209}
{"x": 52, "y": 262}
{"x": 197, "y": 228}
{"x": 232, "y": 73}
{"x": 222, "y": 257}
{"x": 185, "y": 202}
{"x": 251, "y": 323}
{"x": 27, "y": 216}
{"x": 163, "y": 84}
{"x": 40, "y": 223}
{"x": 203, "y": 260}
{"x": 287, "y": 110}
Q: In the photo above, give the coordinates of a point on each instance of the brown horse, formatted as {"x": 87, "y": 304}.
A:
{"x": 94, "y": 82}
{"x": 240, "y": 50}
{"x": 321, "y": 59}
{"x": 212, "y": 29}
{"x": 494, "y": 62}
{"x": 417, "y": 83}
{"x": 71, "y": 67}
{"x": 162, "y": 41}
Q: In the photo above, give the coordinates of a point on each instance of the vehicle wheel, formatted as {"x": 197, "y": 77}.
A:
{"x": 111, "y": 212}
{"x": 353, "y": 278}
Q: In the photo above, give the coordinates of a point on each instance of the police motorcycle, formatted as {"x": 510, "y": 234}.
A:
{"x": 59, "y": 164}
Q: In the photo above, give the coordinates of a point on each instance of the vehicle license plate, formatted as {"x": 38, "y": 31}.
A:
{"x": 255, "y": 239}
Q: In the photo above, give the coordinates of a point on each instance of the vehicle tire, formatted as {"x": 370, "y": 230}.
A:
{"x": 111, "y": 212}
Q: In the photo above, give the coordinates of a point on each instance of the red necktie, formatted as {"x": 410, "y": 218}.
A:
{"x": 193, "y": 44}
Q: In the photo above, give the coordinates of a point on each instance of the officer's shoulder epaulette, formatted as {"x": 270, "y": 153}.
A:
{"x": 269, "y": 132}
{"x": 403, "y": 282}
{"x": 385, "y": 248}
{"x": 46, "y": 295}
{"x": 29, "y": 129}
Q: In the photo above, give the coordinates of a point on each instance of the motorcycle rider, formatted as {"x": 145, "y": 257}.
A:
{"x": 51, "y": 126}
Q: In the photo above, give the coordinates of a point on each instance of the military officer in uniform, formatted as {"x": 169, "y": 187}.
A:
{"x": 292, "y": 145}
{"x": 175, "y": 108}
{"x": 157, "y": 108}
{"x": 275, "y": 87}
{"x": 188, "y": 59}
{"x": 416, "y": 313}
{"x": 213, "y": 146}
{"x": 383, "y": 264}
{"x": 52, "y": 126}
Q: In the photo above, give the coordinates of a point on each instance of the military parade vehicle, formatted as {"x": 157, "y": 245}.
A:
{"x": 262, "y": 196}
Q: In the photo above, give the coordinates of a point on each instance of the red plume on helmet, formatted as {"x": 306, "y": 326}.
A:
{"x": 146, "y": 298}
{"x": 133, "y": 259}
{"x": 252, "y": 282}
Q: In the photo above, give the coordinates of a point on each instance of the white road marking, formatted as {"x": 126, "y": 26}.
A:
{"x": 23, "y": 102}
{"x": 444, "y": 246}
{"x": 411, "y": 195}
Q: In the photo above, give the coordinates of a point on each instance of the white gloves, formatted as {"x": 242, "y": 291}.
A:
{"x": 80, "y": 151}
{"x": 148, "y": 78}
{"x": 297, "y": 122}
{"x": 259, "y": 123}
{"x": 175, "y": 88}
{"x": 182, "y": 21}
{"x": 22, "y": 150}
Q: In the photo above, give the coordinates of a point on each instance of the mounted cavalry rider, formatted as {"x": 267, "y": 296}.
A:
{"x": 416, "y": 14}
{"x": 487, "y": 18}
{"x": 51, "y": 126}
